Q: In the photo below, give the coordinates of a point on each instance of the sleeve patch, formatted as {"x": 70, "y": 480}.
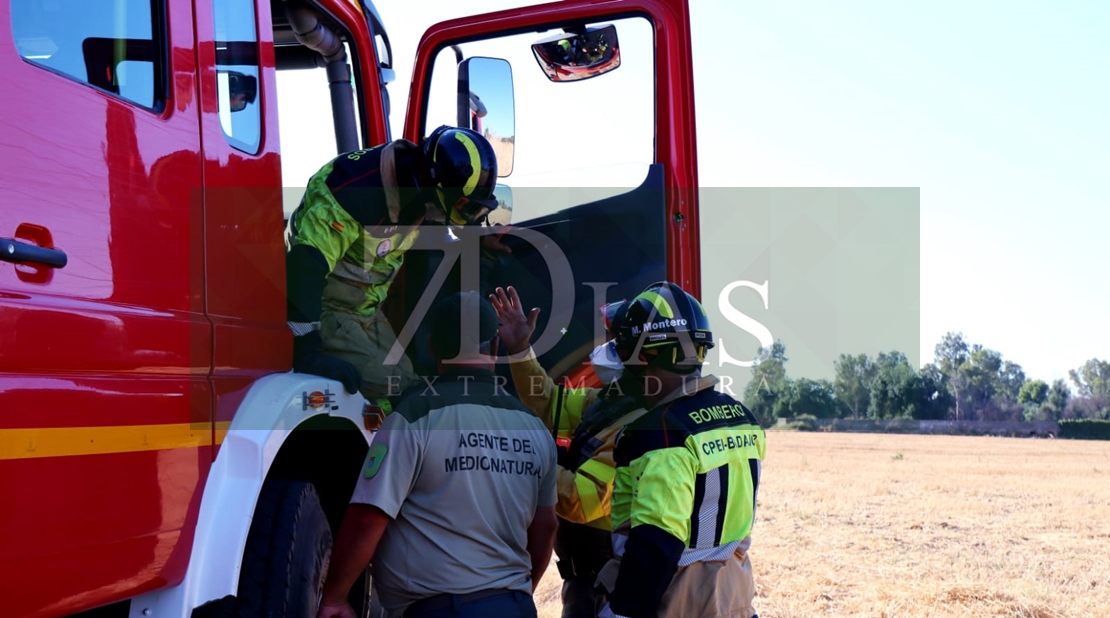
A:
{"x": 374, "y": 460}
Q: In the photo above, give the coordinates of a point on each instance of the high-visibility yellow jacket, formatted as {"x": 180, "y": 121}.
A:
{"x": 585, "y": 493}
{"x": 687, "y": 479}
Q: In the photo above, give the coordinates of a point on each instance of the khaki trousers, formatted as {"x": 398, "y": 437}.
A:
{"x": 365, "y": 341}
{"x": 703, "y": 589}
{"x": 712, "y": 590}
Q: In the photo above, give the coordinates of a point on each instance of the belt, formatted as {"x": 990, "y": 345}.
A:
{"x": 444, "y": 601}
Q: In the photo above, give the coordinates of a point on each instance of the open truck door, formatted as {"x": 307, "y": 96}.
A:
{"x": 590, "y": 109}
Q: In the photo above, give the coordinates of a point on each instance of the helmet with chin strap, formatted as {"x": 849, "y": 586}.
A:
{"x": 664, "y": 327}
{"x": 463, "y": 169}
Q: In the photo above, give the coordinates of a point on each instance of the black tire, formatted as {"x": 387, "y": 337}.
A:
{"x": 287, "y": 553}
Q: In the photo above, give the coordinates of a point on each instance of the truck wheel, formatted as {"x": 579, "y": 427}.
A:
{"x": 287, "y": 553}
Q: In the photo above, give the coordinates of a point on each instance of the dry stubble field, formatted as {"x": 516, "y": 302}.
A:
{"x": 911, "y": 526}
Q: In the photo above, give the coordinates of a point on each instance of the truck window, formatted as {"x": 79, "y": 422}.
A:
{"x": 237, "y": 73}
{"x": 103, "y": 43}
{"x": 575, "y": 142}
{"x": 306, "y": 125}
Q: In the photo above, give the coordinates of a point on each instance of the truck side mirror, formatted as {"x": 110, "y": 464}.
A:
{"x": 242, "y": 89}
{"x": 503, "y": 215}
{"x": 486, "y": 105}
{"x": 571, "y": 57}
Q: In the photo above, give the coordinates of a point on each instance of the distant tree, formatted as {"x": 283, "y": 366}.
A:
{"x": 1000, "y": 408}
{"x": 950, "y": 354}
{"x": 1036, "y": 414}
{"x": 980, "y": 373}
{"x": 768, "y": 382}
{"x": 804, "y": 396}
{"x": 1057, "y": 399}
{"x": 1010, "y": 380}
{"x": 853, "y": 382}
{"x": 1096, "y": 407}
{"x": 1092, "y": 385}
{"x": 895, "y": 389}
{"x": 1092, "y": 379}
{"x": 1033, "y": 392}
{"x": 936, "y": 399}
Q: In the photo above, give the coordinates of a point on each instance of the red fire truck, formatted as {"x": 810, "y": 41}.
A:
{"x": 157, "y": 456}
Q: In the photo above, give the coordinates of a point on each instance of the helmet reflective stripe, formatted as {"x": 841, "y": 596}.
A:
{"x": 665, "y": 316}
{"x": 463, "y": 167}
{"x": 660, "y": 303}
{"x": 475, "y": 162}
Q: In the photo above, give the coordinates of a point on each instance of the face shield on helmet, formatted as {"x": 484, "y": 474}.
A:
{"x": 607, "y": 365}
{"x": 463, "y": 169}
{"x": 604, "y": 358}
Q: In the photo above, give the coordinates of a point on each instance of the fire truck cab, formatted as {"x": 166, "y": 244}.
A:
{"x": 157, "y": 455}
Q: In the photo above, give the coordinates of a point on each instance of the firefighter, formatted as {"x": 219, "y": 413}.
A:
{"x": 687, "y": 473}
{"x": 455, "y": 503}
{"x": 589, "y": 419}
{"x": 347, "y": 239}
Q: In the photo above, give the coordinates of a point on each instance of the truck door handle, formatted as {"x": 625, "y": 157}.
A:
{"x": 18, "y": 252}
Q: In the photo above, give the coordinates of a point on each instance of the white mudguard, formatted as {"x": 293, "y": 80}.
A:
{"x": 272, "y": 409}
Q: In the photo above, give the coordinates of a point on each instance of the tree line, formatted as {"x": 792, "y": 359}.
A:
{"x": 964, "y": 382}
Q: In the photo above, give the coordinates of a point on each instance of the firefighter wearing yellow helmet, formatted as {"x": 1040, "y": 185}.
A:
{"x": 688, "y": 471}
{"x": 347, "y": 239}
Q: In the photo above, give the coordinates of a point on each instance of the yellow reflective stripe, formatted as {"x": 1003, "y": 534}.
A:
{"x": 70, "y": 441}
{"x": 475, "y": 162}
{"x": 221, "y": 431}
{"x": 574, "y": 403}
{"x": 601, "y": 523}
{"x": 659, "y": 302}
{"x": 599, "y": 470}
{"x": 587, "y": 496}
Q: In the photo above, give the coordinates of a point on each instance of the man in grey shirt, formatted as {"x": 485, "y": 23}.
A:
{"x": 456, "y": 501}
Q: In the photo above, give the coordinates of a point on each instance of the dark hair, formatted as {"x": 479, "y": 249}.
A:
{"x": 447, "y": 317}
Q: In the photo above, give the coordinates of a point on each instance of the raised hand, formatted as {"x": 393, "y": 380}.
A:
{"x": 516, "y": 329}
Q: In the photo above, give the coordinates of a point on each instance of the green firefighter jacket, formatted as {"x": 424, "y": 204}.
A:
{"x": 346, "y": 241}
{"x": 685, "y": 492}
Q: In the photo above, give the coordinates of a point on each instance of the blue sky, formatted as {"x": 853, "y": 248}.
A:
{"x": 997, "y": 111}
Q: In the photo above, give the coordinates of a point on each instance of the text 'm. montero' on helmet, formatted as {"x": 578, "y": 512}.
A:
{"x": 664, "y": 327}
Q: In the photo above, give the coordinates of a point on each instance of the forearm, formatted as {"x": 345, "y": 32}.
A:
{"x": 354, "y": 547}
{"x": 541, "y": 542}
{"x": 535, "y": 388}
{"x": 306, "y": 272}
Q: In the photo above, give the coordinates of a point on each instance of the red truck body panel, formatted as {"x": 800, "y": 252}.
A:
{"x": 119, "y": 371}
{"x": 116, "y": 339}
